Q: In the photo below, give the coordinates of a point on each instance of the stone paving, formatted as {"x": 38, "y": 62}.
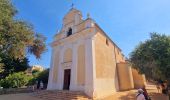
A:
{"x": 126, "y": 95}
{"x": 21, "y": 96}
{"x": 131, "y": 95}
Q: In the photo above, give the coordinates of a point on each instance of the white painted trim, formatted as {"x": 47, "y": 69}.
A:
{"x": 60, "y": 73}
{"x": 73, "y": 81}
{"x": 49, "y": 86}
{"x": 89, "y": 83}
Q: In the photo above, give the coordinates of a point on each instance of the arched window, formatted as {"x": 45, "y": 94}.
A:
{"x": 69, "y": 32}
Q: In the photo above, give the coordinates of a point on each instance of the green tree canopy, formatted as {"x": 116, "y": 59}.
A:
{"x": 17, "y": 39}
{"x": 15, "y": 80}
{"x": 43, "y": 76}
{"x": 17, "y": 36}
{"x": 11, "y": 65}
{"x": 152, "y": 57}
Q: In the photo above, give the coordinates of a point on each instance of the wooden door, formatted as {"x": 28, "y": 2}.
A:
{"x": 67, "y": 75}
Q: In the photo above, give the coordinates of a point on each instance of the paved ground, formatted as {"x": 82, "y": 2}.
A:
{"x": 126, "y": 95}
{"x": 21, "y": 96}
{"x": 130, "y": 95}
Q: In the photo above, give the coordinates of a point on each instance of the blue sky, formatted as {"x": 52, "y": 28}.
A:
{"x": 127, "y": 22}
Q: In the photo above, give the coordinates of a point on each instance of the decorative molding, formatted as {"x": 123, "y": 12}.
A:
{"x": 66, "y": 65}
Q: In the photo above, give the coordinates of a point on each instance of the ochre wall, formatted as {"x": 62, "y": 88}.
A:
{"x": 125, "y": 76}
{"x": 68, "y": 55}
{"x": 81, "y": 65}
{"x": 105, "y": 59}
{"x": 56, "y": 63}
{"x": 105, "y": 65}
{"x": 119, "y": 56}
{"x": 80, "y": 27}
{"x": 139, "y": 79}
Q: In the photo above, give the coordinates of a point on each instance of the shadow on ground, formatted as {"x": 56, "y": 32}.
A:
{"x": 129, "y": 96}
{"x": 153, "y": 96}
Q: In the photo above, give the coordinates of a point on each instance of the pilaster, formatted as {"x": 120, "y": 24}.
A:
{"x": 60, "y": 73}
{"x": 90, "y": 67}
{"x": 73, "y": 81}
{"x": 50, "y": 79}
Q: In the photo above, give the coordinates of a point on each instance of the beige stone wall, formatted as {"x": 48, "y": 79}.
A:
{"x": 80, "y": 27}
{"x": 105, "y": 59}
{"x": 139, "y": 79}
{"x": 55, "y": 69}
{"x": 125, "y": 76}
{"x": 119, "y": 55}
{"x": 70, "y": 17}
{"x": 68, "y": 55}
{"x": 81, "y": 65}
{"x": 73, "y": 16}
{"x": 105, "y": 82}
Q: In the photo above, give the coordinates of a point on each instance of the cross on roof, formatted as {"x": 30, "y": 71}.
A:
{"x": 72, "y": 5}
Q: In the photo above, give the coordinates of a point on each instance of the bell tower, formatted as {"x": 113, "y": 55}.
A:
{"x": 74, "y": 17}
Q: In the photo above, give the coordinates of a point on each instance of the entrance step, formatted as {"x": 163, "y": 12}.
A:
{"x": 60, "y": 95}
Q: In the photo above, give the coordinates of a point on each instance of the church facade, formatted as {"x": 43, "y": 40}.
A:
{"x": 85, "y": 59}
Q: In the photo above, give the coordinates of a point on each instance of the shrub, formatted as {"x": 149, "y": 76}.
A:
{"x": 15, "y": 80}
{"x": 43, "y": 76}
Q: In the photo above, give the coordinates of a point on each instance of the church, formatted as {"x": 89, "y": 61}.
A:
{"x": 85, "y": 59}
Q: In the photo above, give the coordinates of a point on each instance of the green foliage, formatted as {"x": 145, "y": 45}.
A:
{"x": 15, "y": 80}
{"x": 11, "y": 65}
{"x": 152, "y": 57}
{"x": 38, "y": 46}
{"x": 43, "y": 76}
{"x": 17, "y": 39}
{"x": 17, "y": 35}
{"x": 35, "y": 72}
{"x": 32, "y": 81}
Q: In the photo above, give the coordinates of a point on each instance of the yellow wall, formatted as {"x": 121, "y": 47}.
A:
{"x": 139, "y": 79}
{"x": 56, "y": 63}
{"x": 125, "y": 76}
{"x": 105, "y": 64}
{"x": 80, "y": 27}
{"x": 119, "y": 56}
{"x": 105, "y": 59}
{"x": 81, "y": 65}
{"x": 68, "y": 55}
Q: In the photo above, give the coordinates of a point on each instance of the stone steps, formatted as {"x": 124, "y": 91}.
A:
{"x": 60, "y": 95}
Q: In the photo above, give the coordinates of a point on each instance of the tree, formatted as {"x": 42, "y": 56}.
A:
{"x": 11, "y": 65}
{"x": 43, "y": 76}
{"x": 39, "y": 76}
{"x": 17, "y": 39}
{"x": 17, "y": 36}
{"x": 15, "y": 80}
{"x": 152, "y": 57}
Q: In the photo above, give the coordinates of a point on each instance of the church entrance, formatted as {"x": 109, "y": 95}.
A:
{"x": 67, "y": 75}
